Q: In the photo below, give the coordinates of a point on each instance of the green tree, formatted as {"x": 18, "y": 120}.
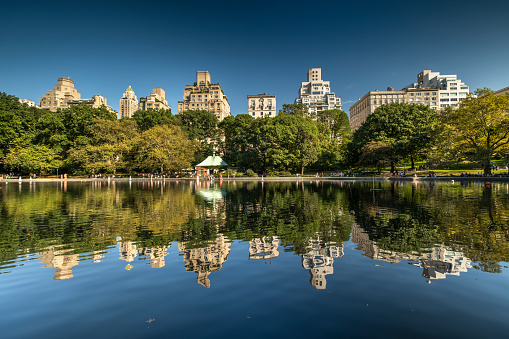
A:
{"x": 334, "y": 133}
{"x": 109, "y": 149}
{"x": 201, "y": 126}
{"x": 408, "y": 128}
{"x": 479, "y": 128}
{"x": 33, "y": 159}
{"x": 153, "y": 117}
{"x": 377, "y": 154}
{"x": 297, "y": 137}
{"x": 165, "y": 148}
{"x": 300, "y": 110}
{"x": 13, "y": 125}
{"x": 238, "y": 146}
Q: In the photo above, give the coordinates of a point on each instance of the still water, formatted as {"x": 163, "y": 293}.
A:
{"x": 251, "y": 259}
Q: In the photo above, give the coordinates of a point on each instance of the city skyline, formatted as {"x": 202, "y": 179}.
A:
{"x": 249, "y": 50}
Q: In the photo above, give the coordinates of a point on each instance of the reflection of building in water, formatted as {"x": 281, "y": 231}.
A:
{"x": 129, "y": 250}
{"x": 437, "y": 262}
{"x": 205, "y": 260}
{"x": 442, "y": 261}
{"x": 62, "y": 262}
{"x": 264, "y": 248}
{"x": 155, "y": 255}
{"x": 97, "y": 256}
{"x": 320, "y": 261}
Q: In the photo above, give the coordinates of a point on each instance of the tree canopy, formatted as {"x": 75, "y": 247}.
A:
{"x": 479, "y": 128}
{"x": 407, "y": 128}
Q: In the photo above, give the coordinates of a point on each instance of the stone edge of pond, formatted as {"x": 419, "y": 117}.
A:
{"x": 418, "y": 179}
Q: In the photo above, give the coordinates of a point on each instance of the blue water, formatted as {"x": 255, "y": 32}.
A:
{"x": 300, "y": 281}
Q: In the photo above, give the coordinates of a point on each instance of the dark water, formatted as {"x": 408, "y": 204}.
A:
{"x": 251, "y": 259}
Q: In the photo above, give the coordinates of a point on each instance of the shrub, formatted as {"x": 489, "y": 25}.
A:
{"x": 229, "y": 173}
{"x": 251, "y": 173}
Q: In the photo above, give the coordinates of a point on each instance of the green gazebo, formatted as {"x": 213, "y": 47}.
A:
{"x": 211, "y": 163}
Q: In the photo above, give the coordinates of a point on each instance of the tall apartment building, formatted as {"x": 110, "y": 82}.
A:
{"x": 502, "y": 91}
{"x": 261, "y": 105}
{"x": 204, "y": 95}
{"x": 29, "y": 102}
{"x": 97, "y": 101}
{"x": 128, "y": 103}
{"x": 451, "y": 89}
{"x": 156, "y": 100}
{"x": 374, "y": 99}
{"x": 316, "y": 94}
{"x": 431, "y": 89}
{"x": 63, "y": 92}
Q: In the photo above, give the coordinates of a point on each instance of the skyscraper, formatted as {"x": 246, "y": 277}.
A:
{"x": 316, "y": 94}
{"x": 156, "y": 100}
{"x": 128, "y": 103}
{"x": 63, "y": 92}
{"x": 204, "y": 95}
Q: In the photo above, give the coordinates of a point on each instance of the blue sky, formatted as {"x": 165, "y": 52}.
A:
{"x": 249, "y": 47}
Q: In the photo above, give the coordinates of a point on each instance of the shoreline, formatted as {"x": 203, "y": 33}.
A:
{"x": 264, "y": 179}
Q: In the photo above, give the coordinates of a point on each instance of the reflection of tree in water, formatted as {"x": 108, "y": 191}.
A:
{"x": 293, "y": 211}
{"x": 437, "y": 262}
{"x": 410, "y": 217}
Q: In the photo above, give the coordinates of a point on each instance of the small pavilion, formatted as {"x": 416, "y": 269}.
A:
{"x": 207, "y": 166}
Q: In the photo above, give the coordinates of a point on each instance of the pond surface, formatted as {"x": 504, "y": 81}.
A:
{"x": 250, "y": 259}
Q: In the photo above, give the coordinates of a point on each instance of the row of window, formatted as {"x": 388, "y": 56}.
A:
{"x": 261, "y": 113}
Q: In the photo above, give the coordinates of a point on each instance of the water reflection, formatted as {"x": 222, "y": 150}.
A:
{"x": 205, "y": 260}
{"x": 436, "y": 262}
{"x": 442, "y": 228}
{"x": 264, "y": 248}
{"x": 59, "y": 259}
{"x": 320, "y": 261}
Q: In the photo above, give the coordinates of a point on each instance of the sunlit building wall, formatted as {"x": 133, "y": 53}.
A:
{"x": 316, "y": 93}
{"x": 62, "y": 93}
{"x": 206, "y": 96}
{"x": 128, "y": 104}
{"x": 261, "y": 105}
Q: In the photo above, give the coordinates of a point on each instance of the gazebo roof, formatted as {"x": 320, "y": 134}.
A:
{"x": 212, "y": 161}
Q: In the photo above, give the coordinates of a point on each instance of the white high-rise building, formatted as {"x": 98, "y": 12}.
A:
{"x": 451, "y": 90}
{"x": 316, "y": 93}
{"x": 128, "y": 104}
{"x": 262, "y": 105}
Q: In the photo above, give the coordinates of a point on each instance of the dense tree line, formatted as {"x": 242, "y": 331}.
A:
{"x": 90, "y": 141}
{"x": 84, "y": 140}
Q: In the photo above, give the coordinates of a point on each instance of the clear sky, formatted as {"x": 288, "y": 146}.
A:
{"x": 249, "y": 47}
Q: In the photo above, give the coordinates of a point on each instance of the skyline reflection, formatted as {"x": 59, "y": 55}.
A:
{"x": 404, "y": 222}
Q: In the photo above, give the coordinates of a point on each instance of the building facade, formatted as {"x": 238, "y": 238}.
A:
{"x": 261, "y": 105}
{"x": 374, "y": 99}
{"x": 156, "y": 100}
{"x": 63, "y": 92}
{"x": 128, "y": 104}
{"x": 502, "y": 91}
{"x": 29, "y": 102}
{"x": 316, "y": 94}
{"x": 451, "y": 89}
{"x": 97, "y": 101}
{"x": 431, "y": 89}
{"x": 204, "y": 95}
